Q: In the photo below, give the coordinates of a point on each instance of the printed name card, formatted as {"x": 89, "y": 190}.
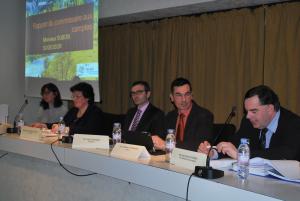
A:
{"x": 31, "y": 133}
{"x": 187, "y": 159}
{"x": 130, "y": 151}
{"x": 83, "y": 141}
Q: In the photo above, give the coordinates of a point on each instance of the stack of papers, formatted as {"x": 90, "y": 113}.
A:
{"x": 288, "y": 170}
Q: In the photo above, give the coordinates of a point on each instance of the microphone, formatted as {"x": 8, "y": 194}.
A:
{"x": 14, "y": 129}
{"x": 208, "y": 172}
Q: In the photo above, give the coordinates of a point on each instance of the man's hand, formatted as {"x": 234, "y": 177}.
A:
{"x": 204, "y": 147}
{"x": 158, "y": 142}
{"x": 227, "y": 148}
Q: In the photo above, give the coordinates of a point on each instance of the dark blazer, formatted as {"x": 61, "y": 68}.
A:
{"x": 152, "y": 120}
{"x": 89, "y": 123}
{"x": 285, "y": 142}
{"x": 198, "y": 128}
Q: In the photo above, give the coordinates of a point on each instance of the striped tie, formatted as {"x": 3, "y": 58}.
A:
{"x": 136, "y": 119}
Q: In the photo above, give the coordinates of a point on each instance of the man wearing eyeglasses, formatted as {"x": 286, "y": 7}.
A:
{"x": 144, "y": 117}
{"x": 193, "y": 124}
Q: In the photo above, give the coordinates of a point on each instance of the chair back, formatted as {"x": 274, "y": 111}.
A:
{"x": 225, "y": 135}
{"x": 109, "y": 119}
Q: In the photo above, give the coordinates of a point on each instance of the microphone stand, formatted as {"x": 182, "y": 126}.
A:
{"x": 207, "y": 171}
{"x": 14, "y": 129}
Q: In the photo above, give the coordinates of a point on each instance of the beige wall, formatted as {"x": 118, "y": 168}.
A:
{"x": 12, "y": 21}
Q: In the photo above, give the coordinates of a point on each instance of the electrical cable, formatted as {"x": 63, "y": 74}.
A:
{"x": 3, "y": 155}
{"x": 78, "y": 175}
{"x": 187, "y": 188}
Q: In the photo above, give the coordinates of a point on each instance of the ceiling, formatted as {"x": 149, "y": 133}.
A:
{"x": 192, "y": 8}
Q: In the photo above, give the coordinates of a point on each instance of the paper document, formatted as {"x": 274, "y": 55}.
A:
{"x": 288, "y": 170}
{"x": 224, "y": 163}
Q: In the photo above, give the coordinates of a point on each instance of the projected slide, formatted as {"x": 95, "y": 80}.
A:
{"x": 61, "y": 44}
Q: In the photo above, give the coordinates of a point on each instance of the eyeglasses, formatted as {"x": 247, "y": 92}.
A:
{"x": 186, "y": 95}
{"x": 139, "y": 92}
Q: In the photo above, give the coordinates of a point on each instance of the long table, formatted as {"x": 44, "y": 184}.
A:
{"x": 31, "y": 172}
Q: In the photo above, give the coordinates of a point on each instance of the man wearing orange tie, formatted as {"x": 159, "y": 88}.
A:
{"x": 193, "y": 124}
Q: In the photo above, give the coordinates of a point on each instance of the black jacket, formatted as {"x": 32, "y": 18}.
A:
{"x": 198, "y": 128}
{"x": 285, "y": 142}
{"x": 90, "y": 123}
{"x": 152, "y": 120}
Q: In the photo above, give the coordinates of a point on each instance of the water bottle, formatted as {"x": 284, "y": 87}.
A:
{"x": 243, "y": 159}
{"x": 117, "y": 133}
{"x": 61, "y": 127}
{"x": 169, "y": 144}
{"x": 19, "y": 123}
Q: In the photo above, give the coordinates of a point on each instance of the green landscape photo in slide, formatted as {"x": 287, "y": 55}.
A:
{"x": 63, "y": 65}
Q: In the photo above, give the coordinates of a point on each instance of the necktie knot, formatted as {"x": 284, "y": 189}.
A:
{"x": 264, "y": 131}
{"x": 181, "y": 116}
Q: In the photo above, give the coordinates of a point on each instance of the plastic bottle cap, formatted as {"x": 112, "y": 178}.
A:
{"x": 117, "y": 124}
{"x": 244, "y": 141}
{"x": 170, "y": 131}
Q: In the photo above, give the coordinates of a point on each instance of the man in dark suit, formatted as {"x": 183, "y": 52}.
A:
{"x": 193, "y": 124}
{"x": 274, "y": 132}
{"x": 144, "y": 117}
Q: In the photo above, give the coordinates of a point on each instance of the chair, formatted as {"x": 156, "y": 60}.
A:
{"x": 109, "y": 119}
{"x": 225, "y": 135}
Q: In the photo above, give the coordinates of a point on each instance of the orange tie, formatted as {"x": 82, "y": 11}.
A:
{"x": 180, "y": 128}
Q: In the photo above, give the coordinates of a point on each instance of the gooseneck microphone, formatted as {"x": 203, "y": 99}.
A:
{"x": 208, "y": 172}
{"x": 14, "y": 129}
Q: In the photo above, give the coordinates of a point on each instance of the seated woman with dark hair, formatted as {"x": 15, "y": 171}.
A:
{"x": 51, "y": 106}
{"x": 85, "y": 117}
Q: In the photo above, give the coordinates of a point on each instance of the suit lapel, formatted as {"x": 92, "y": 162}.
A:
{"x": 172, "y": 123}
{"x": 131, "y": 114}
{"x": 277, "y": 135}
{"x": 189, "y": 121}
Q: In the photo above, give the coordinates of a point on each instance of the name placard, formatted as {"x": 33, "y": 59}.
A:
{"x": 130, "y": 151}
{"x": 187, "y": 159}
{"x": 83, "y": 141}
{"x": 31, "y": 133}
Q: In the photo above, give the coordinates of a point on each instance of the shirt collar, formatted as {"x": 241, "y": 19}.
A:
{"x": 274, "y": 123}
{"x": 143, "y": 106}
{"x": 186, "y": 112}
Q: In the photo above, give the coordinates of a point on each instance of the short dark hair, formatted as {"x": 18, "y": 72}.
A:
{"x": 265, "y": 95}
{"x": 140, "y": 82}
{"x": 57, "y": 100}
{"x": 86, "y": 90}
{"x": 180, "y": 81}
